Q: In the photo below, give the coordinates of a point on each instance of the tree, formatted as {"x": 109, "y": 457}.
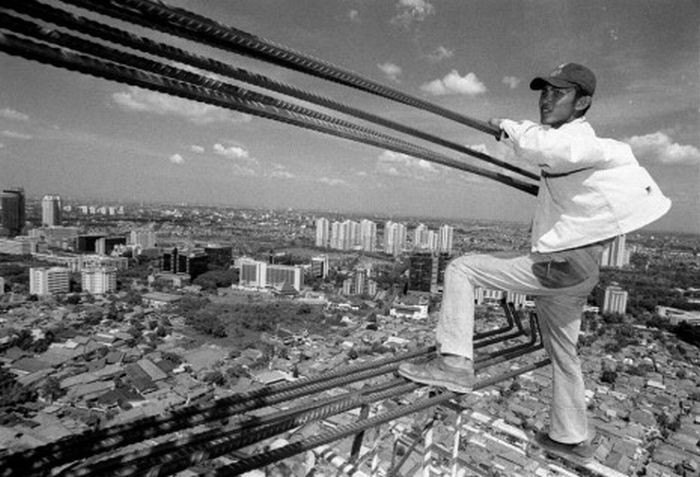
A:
{"x": 51, "y": 389}
{"x": 608, "y": 376}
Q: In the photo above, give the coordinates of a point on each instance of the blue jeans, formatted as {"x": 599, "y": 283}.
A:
{"x": 560, "y": 283}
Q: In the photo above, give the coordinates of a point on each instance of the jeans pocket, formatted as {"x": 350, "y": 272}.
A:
{"x": 560, "y": 272}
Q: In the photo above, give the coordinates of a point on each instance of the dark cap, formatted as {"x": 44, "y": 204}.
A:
{"x": 566, "y": 76}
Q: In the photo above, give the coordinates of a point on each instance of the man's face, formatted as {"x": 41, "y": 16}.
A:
{"x": 557, "y": 105}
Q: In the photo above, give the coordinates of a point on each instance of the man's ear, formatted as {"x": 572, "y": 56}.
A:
{"x": 582, "y": 103}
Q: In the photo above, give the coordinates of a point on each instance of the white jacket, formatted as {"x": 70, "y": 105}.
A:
{"x": 591, "y": 188}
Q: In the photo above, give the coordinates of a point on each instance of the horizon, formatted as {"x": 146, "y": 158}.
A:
{"x": 74, "y": 135}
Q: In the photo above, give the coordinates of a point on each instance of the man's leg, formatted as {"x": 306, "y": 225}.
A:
{"x": 560, "y": 321}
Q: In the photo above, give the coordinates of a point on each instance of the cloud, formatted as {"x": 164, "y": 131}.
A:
{"x": 1, "y": 145}
{"x": 15, "y": 134}
{"x": 354, "y": 16}
{"x": 440, "y": 53}
{"x": 140, "y": 100}
{"x": 511, "y": 81}
{"x": 9, "y": 113}
{"x": 401, "y": 165}
{"x": 279, "y": 171}
{"x": 391, "y": 70}
{"x": 241, "y": 170}
{"x": 176, "y": 159}
{"x": 197, "y": 149}
{"x": 452, "y": 83}
{"x": 232, "y": 152}
{"x": 332, "y": 182}
{"x": 411, "y": 11}
{"x": 659, "y": 147}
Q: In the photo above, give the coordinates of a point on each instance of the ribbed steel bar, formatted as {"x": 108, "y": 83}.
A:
{"x": 120, "y": 57}
{"x": 190, "y": 25}
{"x": 188, "y": 456}
{"x": 105, "y": 32}
{"x": 67, "y": 59}
{"x": 261, "y": 460}
{"x": 251, "y": 426}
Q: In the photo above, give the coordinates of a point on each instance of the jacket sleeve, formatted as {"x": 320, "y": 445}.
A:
{"x": 565, "y": 149}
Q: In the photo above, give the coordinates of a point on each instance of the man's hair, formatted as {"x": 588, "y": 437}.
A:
{"x": 581, "y": 94}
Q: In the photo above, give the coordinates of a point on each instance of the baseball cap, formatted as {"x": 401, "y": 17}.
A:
{"x": 566, "y": 76}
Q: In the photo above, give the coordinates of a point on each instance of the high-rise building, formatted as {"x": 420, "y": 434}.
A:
{"x": 279, "y": 275}
{"x": 2, "y": 286}
{"x": 616, "y": 254}
{"x": 47, "y": 281}
{"x": 144, "y": 238}
{"x": 615, "y": 299}
{"x": 219, "y": 255}
{"x": 260, "y": 274}
{"x": 319, "y": 266}
{"x": 345, "y": 235}
{"x": 426, "y": 271}
{"x": 100, "y": 280}
{"x": 368, "y": 235}
{"x": 13, "y": 217}
{"x": 445, "y": 239}
{"x": 252, "y": 273}
{"x": 394, "y": 238}
{"x": 420, "y": 237}
{"x": 192, "y": 262}
{"x": 322, "y": 232}
{"x": 50, "y": 210}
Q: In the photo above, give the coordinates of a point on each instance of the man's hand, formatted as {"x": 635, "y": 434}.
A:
{"x": 496, "y": 122}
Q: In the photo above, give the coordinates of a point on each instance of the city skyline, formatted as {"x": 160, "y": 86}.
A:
{"x": 76, "y": 136}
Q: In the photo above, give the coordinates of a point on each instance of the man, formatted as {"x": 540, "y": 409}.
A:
{"x": 591, "y": 190}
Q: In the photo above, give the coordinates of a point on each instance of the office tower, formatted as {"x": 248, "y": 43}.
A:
{"x": 322, "y": 232}
{"x": 368, "y": 235}
{"x": 99, "y": 280}
{"x": 47, "y": 281}
{"x": 279, "y": 275}
{"x": 87, "y": 243}
{"x": 615, "y": 300}
{"x": 50, "y": 210}
{"x": 446, "y": 234}
{"x": 192, "y": 262}
{"x": 105, "y": 245}
{"x": 426, "y": 271}
{"x": 219, "y": 255}
{"x": 252, "y": 273}
{"x": 144, "y": 238}
{"x": 616, "y": 254}
{"x": 394, "y": 238}
{"x": 13, "y": 215}
{"x": 319, "y": 266}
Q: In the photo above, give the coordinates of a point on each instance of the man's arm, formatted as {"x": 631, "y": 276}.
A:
{"x": 571, "y": 147}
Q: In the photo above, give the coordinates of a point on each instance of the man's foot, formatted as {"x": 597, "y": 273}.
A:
{"x": 583, "y": 451}
{"x": 438, "y": 373}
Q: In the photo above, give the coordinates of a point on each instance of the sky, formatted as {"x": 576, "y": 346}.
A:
{"x": 90, "y": 139}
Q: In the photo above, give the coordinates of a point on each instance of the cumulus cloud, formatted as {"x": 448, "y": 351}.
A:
{"x": 197, "y": 149}
{"x": 232, "y": 152}
{"x": 354, "y": 16}
{"x": 659, "y": 147}
{"x": 440, "y": 53}
{"x": 241, "y": 170}
{"x": 9, "y": 113}
{"x": 391, "y": 71}
{"x": 140, "y": 100}
{"x": 511, "y": 81}
{"x": 401, "y": 165}
{"x": 279, "y": 171}
{"x": 176, "y": 159}
{"x": 453, "y": 83}
{"x": 332, "y": 181}
{"x": 15, "y": 134}
{"x": 410, "y": 11}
